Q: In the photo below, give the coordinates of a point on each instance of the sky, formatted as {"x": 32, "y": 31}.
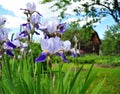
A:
{"x": 102, "y": 27}
{"x": 11, "y": 10}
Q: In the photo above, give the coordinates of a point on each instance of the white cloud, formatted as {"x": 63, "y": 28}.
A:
{"x": 46, "y": 11}
{"x": 82, "y": 21}
{"x": 72, "y": 6}
{"x": 15, "y": 5}
{"x": 13, "y": 22}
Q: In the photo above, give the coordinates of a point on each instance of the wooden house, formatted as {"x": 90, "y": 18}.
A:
{"x": 96, "y": 42}
{"x": 93, "y": 46}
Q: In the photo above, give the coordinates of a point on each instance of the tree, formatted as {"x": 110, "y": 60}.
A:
{"x": 110, "y": 7}
{"x": 96, "y": 9}
{"x": 83, "y": 34}
{"x": 111, "y": 42}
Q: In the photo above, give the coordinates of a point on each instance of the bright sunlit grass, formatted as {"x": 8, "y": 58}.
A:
{"x": 112, "y": 75}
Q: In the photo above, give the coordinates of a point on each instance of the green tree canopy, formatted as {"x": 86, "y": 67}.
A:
{"x": 83, "y": 34}
{"x": 111, "y": 42}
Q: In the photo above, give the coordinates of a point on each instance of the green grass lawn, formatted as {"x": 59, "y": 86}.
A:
{"x": 112, "y": 83}
{"x": 26, "y": 77}
{"x": 111, "y": 75}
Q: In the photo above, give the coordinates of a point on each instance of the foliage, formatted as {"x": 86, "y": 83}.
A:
{"x": 111, "y": 41}
{"x": 83, "y": 34}
{"x": 89, "y": 59}
{"x": 36, "y": 49}
{"x": 25, "y": 76}
{"x": 110, "y": 75}
{"x": 96, "y": 9}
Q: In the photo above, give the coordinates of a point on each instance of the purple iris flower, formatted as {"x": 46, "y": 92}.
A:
{"x": 42, "y": 57}
{"x": 73, "y": 52}
{"x": 22, "y": 34}
{"x": 8, "y": 47}
{"x": 3, "y": 34}
{"x": 4, "y": 38}
{"x": 62, "y": 55}
{"x": 9, "y": 52}
{"x": 61, "y": 28}
{"x": 35, "y": 19}
{"x": 50, "y": 46}
{"x": 10, "y": 44}
{"x": 17, "y": 43}
{"x": 22, "y": 46}
{"x": 3, "y": 31}
{"x": 31, "y": 7}
{"x": 27, "y": 27}
{"x": 66, "y": 45}
{"x": 51, "y": 25}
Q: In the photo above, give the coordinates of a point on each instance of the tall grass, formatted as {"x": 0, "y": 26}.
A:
{"x": 25, "y": 76}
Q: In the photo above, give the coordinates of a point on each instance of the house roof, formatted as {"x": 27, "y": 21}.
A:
{"x": 95, "y": 37}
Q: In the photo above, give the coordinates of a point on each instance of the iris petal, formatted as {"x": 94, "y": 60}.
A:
{"x": 31, "y": 6}
{"x": 58, "y": 54}
{"x": 66, "y": 45}
{"x": 61, "y": 28}
{"x": 74, "y": 54}
{"x": 23, "y": 33}
{"x": 37, "y": 33}
{"x": 35, "y": 18}
{"x": 38, "y": 13}
{"x": 10, "y": 44}
{"x": 62, "y": 56}
{"x": 37, "y": 26}
{"x": 25, "y": 24}
{"x": 8, "y": 52}
{"x": 42, "y": 57}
